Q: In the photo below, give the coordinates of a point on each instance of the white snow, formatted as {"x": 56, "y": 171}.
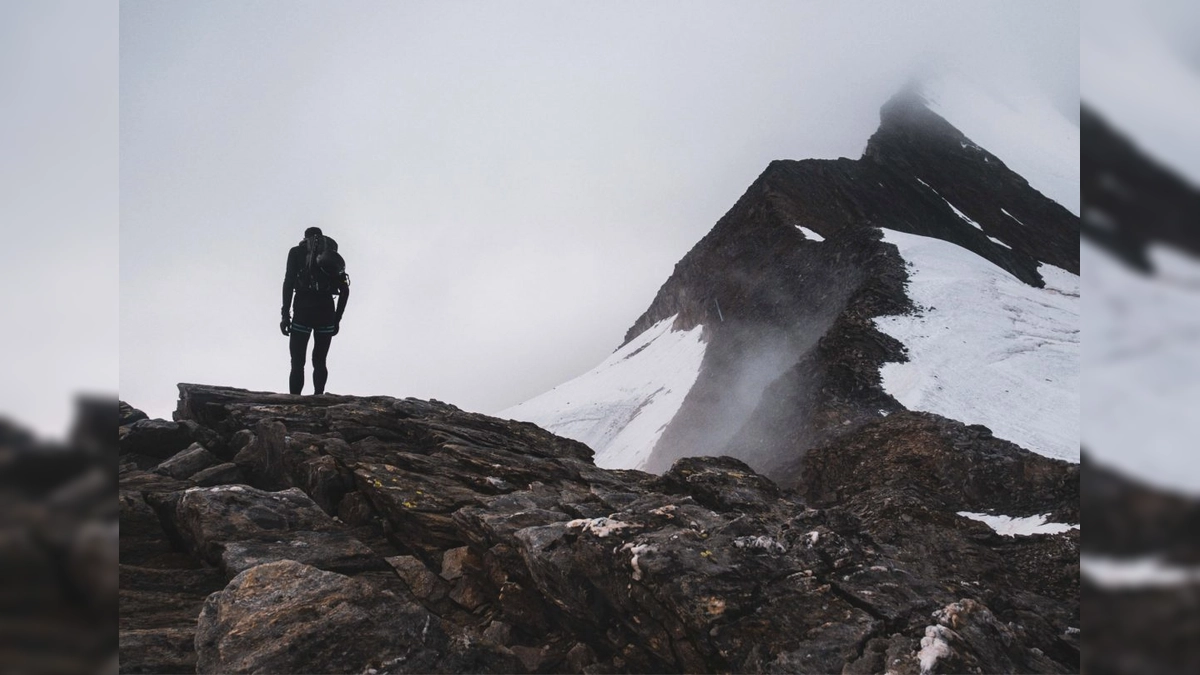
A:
{"x": 1020, "y": 126}
{"x": 1011, "y": 216}
{"x": 809, "y": 234}
{"x": 621, "y": 407}
{"x": 985, "y": 348}
{"x": 1017, "y": 526}
{"x": 970, "y": 221}
{"x": 997, "y": 241}
{"x": 1141, "y": 572}
{"x": 1141, "y": 366}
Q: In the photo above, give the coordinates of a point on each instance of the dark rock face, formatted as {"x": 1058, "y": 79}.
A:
{"x": 237, "y": 527}
{"x": 183, "y": 464}
{"x": 286, "y": 617}
{"x": 502, "y": 548}
{"x": 964, "y": 466}
{"x": 1131, "y": 200}
{"x": 793, "y": 356}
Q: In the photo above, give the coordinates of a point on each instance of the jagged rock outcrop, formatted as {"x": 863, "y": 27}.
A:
{"x": 287, "y": 617}
{"x": 964, "y": 466}
{"x": 493, "y": 546}
{"x": 1132, "y": 200}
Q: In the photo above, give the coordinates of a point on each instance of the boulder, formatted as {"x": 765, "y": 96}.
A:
{"x": 187, "y": 462}
{"x": 226, "y": 473}
{"x": 236, "y": 527}
{"x": 155, "y": 438}
{"x": 287, "y": 617}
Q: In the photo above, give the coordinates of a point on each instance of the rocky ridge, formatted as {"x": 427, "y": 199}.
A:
{"x": 273, "y": 533}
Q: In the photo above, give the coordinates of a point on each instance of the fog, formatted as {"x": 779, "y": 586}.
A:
{"x": 510, "y": 184}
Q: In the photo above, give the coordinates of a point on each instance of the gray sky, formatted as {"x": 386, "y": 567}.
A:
{"x": 510, "y": 183}
{"x": 58, "y": 208}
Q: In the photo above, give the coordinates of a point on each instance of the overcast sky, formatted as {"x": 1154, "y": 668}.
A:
{"x": 58, "y": 208}
{"x": 510, "y": 183}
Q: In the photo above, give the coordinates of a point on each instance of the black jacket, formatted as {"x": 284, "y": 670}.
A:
{"x": 312, "y": 308}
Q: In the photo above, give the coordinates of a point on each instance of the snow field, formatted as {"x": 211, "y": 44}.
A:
{"x": 621, "y": 407}
{"x": 985, "y": 348}
{"x": 1141, "y": 371}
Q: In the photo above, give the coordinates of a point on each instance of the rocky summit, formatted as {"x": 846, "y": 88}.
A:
{"x": 335, "y": 534}
{"x": 771, "y": 336}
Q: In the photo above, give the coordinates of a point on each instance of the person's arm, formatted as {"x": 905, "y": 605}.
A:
{"x": 343, "y": 296}
{"x": 289, "y": 287}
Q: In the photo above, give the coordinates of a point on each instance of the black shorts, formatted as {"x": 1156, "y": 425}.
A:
{"x": 313, "y": 311}
{"x": 301, "y": 328}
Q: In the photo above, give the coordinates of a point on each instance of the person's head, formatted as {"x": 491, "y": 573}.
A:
{"x": 312, "y": 233}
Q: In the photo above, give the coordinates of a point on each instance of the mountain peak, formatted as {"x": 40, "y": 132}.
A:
{"x": 788, "y": 288}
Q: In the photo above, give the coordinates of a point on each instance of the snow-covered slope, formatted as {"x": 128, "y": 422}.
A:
{"x": 1024, "y": 130}
{"x": 985, "y": 348}
{"x": 621, "y": 407}
{"x": 1141, "y": 373}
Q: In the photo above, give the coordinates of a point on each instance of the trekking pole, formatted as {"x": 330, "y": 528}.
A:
{"x": 719, "y": 315}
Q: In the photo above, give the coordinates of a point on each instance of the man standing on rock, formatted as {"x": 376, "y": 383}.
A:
{"x": 315, "y": 274}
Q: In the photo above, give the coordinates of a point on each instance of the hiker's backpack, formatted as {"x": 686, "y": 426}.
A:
{"x": 323, "y": 269}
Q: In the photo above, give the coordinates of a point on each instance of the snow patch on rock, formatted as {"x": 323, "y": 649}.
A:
{"x": 809, "y": 234}
{"x": 1017, "y": 526}
{"x": 1140, "y": 572}
{"x": 1012, "y": 216}
{"x": 968, "y": 219}
{"x": 997, "y": 241}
